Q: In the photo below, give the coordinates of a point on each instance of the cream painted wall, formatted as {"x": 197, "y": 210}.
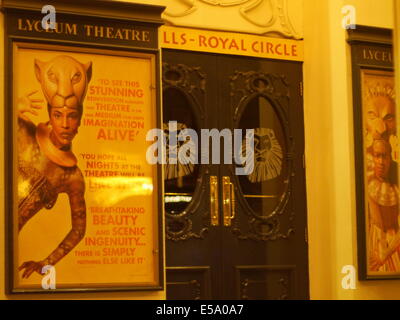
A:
{"x": 374, "y": 13}
{"x": 330, "y": 148}
{"x": 141, "y": 295}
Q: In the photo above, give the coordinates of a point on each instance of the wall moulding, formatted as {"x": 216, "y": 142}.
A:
{"x": 278, "y": 18}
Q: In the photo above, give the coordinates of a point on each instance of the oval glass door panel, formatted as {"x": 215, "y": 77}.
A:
{"x": 264, "y": 186}
{"x": 180, "y": 176}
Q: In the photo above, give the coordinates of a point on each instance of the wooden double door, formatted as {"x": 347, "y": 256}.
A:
{"x": 233, "y": 236}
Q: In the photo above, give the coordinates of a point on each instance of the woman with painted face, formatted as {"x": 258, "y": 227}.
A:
{"x": 46, "y": 163}
{"x": 383, "y": 205}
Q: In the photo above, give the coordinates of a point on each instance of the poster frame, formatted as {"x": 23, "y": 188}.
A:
{"x": 10, "y": 40}
{"x": 365, "y": 42}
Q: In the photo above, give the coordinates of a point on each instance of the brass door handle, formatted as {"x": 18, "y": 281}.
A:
{"x": 229, "y": 202}
{"x": 214, "y": 201}
{"x": 233, "y": 202}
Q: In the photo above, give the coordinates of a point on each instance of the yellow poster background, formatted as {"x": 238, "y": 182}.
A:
{"x": 102, "y": 146}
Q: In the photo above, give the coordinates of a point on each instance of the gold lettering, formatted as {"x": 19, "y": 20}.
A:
{"x": 88, "y": 29}
{"x": 135, "y": 35}
{"x": 378, "y": 56}
{"x": 146, "y": 36}
{"x": 119, "y": 35}
{"x": 109, "y": 32}
{"x": 71, "y": 29}
{"x": 20, "y": 26}
{"x": 126, "y": 31}
{"x": 98, "y": 31}
{"x": 30, "y": 25}
{"x": 365, "y": 54}
{"x": 38, "y": 26}
{"x": 59, "y": 27}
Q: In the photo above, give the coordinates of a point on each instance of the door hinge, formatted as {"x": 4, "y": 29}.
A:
{"x": 301, "y": 88}
{"x": 306, "y": 235}
{"x": 304, "y": 161}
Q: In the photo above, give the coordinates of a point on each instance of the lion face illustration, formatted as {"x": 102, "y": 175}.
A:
{"x": 64, "y": 81}
{"x": 182, "y": 153}
{"x": 268, "y": 155}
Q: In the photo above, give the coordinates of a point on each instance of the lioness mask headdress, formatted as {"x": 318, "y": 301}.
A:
{"x": 64, "y": 81}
